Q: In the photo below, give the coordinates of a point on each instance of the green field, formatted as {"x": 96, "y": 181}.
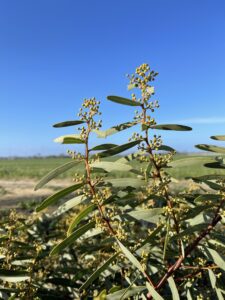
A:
{"x": 22, "y": 168}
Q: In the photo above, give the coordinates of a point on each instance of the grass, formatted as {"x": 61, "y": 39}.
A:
{"x": 35, "y": 168}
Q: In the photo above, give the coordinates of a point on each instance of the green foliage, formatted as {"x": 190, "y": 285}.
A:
{"x": 133, "y": 236}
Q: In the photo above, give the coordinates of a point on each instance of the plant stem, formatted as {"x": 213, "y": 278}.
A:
{"x": 92, "y": 187}
{"x": 159, "y": 176}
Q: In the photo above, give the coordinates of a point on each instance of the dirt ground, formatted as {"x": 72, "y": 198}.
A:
{"x": 14, "y": 192}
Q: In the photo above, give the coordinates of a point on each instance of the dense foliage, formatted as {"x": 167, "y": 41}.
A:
{"x": 118, "y": 238}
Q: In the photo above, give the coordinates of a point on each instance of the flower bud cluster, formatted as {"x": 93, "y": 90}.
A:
{"x": 75, "y": 155}
{"x": 162, "y": 160}
{"x": 152, "y": 105}
{"x": 78, "y": 178}
{"x": 101, "y": 195}
{"x": 156, "y": 142}
{"x": 87, "y": 113}
{"x": 89, "y": 109}
{"x": 149, "y": 121}
{"x": 141, "y": 79}
{"x": 135, "y": 137}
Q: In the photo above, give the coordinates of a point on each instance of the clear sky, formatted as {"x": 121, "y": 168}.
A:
{"x": 55, "y": 53}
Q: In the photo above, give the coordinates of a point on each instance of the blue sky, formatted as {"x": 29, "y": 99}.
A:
{"x": 55, "y": 53}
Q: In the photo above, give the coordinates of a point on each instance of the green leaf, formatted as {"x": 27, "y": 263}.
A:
{"x": 207, "y": 197}
{"x": 53, "y": 198}
{"x": 173, "y": 288}
{"x": 97, "y": 273}
{"x": 103, "y": 147}
{"x": 131, "y": 258}
{"x": 111, "y": 166}
{"x": 68, "y": 205}
{"x": 126, "y": 293}
{"x": 79, "y": 217}
{"x": 152, "y": 215}
{"x": 148, "y": 171}
{"x": 210, "y": 148}
{"x": 153, "y": 292}
{"x": 218, "y": 259}
{"x": 13, "y": 275}
{"x": 126, "y": 182}
{"x": 114, "y": 129}
{"x": 69, "y": 139}
{"x": 209, "y": 177}
{"x": 219, "y": 294}
{"x": 194, "y": 211}
{"x": 166, "y": 148}
{"x": 123, "y": 101}
{"x": 211, "y": 184}
{"x": 68, "y": 123}
{"x": 118, "y": 149}
{"x": 218, "y": 137}
{"x": 212, "y": 278}
{"x": 54, "y": 173}
{"x": 101, "y": 295}
{"x": 215, "y": 165}
{"x": 72, "y": 238}
{"x": 171, "y": 127}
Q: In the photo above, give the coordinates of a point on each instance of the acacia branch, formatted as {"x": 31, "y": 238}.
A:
{"x": 217, "y": 218}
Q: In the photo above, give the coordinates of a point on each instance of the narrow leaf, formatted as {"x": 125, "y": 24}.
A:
{"x": 173, "y": 288}
{"x": 70, "y": 139}
{"x": 118, "y": 149}
{"x": 212, "y": 278}
{"x": 214, "y": 165}
{"x": 114, "y": 129}
{"x": 218, "y": 259}
{"x": 152, "y": 215}
{"x": 72, "y": 238}
{"x": 123, "y": 101}
{"x": 80, "y": 217}
{"x": 126, "y": 293}
{"x": 52, "y": 199}
{"x": 54, "y": 173}
{"x": 211, "y": 184}
{"x": 125, "y": 182}
{"x": 13, "y": 275}
{"x": 97, "y": 273}
{"x": 103, "y": 147}
{"x": 219, "y": 294}
{"x": 218, "y": 137}
{"x": 131, "y": 257}
{"x": 207, "y": 197}
{"x": 175, "y": 127}
{"x": 111, "y": 166}
{"x": 210, "y": 148}
{"x": 153, "y": 292}
{"x": 68, "y": 205}
{"x": 166, "y": 148}
{"x": 68, "y": 123}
